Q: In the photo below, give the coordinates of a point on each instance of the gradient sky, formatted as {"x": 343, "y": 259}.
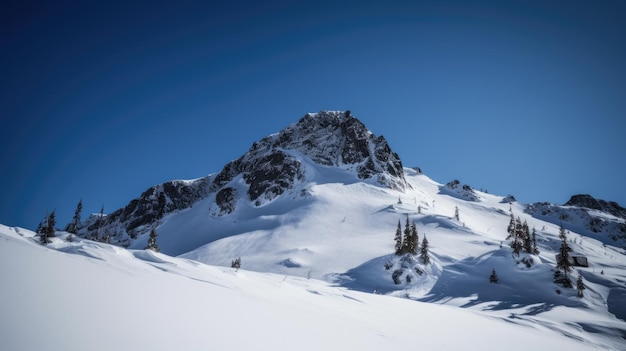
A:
{"x": 101, "y": 101}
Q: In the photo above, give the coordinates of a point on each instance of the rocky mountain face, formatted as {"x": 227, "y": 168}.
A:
{"x": 125, "y": 224}
{"x": 273, "y": 164}
{"x": 271, "y": 167}
{"x": 588, "y": 201}
{"x": 600, "y": 219}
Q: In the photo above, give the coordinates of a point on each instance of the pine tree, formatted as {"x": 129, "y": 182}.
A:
{"x": 424, "y": 251}
{"x": 75, "y": 224}
{"x": 493, "y": 278}
{"x": 406, "y": 240}
{"x": 51, "y": 224}
{"x": 516, "y": 243}
{"x": 562, "y": 263}
{"x": 580, "y": 285}
{"x": 511, "y": 228}
{"x": 414, "y": 240}
{"x": 534, "y": 242}
{"x": 152, "y": 244}
{"x": 42, "y": 230}
{"x": 526, "y": 238}
{"x": 236, "y": 263}
{"x": 398, "y": 239}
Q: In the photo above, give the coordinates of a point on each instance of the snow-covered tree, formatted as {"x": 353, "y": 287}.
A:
{"x": 580, "y": 285}
{"x": 51, "y": 224}
{"x": 424, "y": 251}
{"x": 236, "y": 263}
{"x": 527, "y": 242}
{"x": 563, "y": 263}
{"x": 73, "y": 226}
{"x": 406, "y": 240}
{"x": 517, "y": 243}
{"x": 414, "y": 240}
{"x": 398, "y": 239}
{"x": 535, "y": 250}
{"x": 152, "y": 244}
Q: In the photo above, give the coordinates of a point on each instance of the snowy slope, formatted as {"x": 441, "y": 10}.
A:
{"x": 321, "y": 223}
{"x": 343, "y": 233}
{"x": 93, "y": 296}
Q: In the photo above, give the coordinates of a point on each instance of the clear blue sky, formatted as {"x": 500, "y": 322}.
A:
{"x": 102, "y": 101}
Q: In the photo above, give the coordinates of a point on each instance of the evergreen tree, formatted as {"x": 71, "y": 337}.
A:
{"x": 424, "y": 251}
{"x": 236, "y": 263}
{"x": 534, "y": 242}
{"x": 51, "y": 224}
{"x": 517, "y": 243}
{"x": 152, "y": 244}
{"x": 406, "y": 240}
{"x": 563, "y": 264}
{"x": 39, "y": 229}
{"x": 580, "y": 285}
{"x": 42, "y": 230}
{"x": 511, "y": 228}
{"x": 398, "y": 239}
{"x": 527, "y": 241}
{"x": 493, "y": 278}
{"x": 414, "y": 240}
{"x": 73, "y": 226}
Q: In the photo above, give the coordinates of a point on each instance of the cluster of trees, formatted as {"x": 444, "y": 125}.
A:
{"x": 46, "y": 228}
{"x": 236, "y": 263}
{"x": 521, "y": 238}
{"x": 407, "y": 242}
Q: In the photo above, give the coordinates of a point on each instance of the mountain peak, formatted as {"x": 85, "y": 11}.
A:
{"x": 274, "y": 164}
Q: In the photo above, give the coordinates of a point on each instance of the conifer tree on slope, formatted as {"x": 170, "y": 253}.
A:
{"x": 72, "y": 227}
{"x": 51, "y": 224}
{"x": 414, "y": 240}
{"x": 398, "y": 239}
{"x": 424, "y": 251}
{"x": 580, "y": 286}
{"x": 534, "y": 243}
{"x": 563, "y": 263}
{"x": 406, "y": 241}
{"x": 517, "y": 243}
{"x": 152, "y": 244}
{"x": 526, "y": 238}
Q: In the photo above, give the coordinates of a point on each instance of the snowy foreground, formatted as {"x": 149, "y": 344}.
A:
{"x": 313, "y": 278}
{"x": 92, "y": 296}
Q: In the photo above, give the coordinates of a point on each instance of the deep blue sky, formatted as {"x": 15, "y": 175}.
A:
{"x": 102, "y": 101}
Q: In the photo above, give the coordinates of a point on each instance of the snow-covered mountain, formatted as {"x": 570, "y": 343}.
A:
{"x": 273, "y": 166}
{"x": 313, "y": 210}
